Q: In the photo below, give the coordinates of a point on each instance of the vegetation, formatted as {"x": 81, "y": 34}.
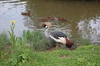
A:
{"x": 38, "y": 41}
{"x": 83, "y": 56}
{"x": 3, "y": 40}
{"x": 28, "y": 50}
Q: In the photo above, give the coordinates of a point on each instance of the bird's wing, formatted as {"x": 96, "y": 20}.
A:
{"x": 57, "y": 40}
{"x": 57, "y": 34}
{"x": 60, "y": 40}
{"x": 58, "y": 37}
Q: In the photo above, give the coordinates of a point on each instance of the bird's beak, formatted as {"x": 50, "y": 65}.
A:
{"x": 46, "y": 27}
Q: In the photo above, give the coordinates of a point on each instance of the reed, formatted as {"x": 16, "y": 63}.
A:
{"x": 85, "y": 41}
{"x": 3, "y": 40}
{"x": 23, "y": 55}
{"x": 38, "y": 41}
{"x": 12, "y": 35}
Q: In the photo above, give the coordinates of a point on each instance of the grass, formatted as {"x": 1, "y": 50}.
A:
{"x": 3, "y": 40}
{"x": 28, "y": 50}
{"x": 83, "y": 56}
{"x": 38, "y": 41}
{"x": 88, "y": 55}
{"x": 85, "y": 41}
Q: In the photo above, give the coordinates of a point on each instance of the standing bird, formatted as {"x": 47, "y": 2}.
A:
{"x": 57, "y": 36}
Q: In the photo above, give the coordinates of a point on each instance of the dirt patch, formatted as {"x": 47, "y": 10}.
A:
{"x": 64, "y": 56}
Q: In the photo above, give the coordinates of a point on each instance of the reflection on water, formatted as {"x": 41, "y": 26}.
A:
{"x": 9, "y": 11}
{"x": 83, "y": 17}
{"x": 90, "y": 28}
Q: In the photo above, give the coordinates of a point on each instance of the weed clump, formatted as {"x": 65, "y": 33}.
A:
{"x": 38, "y": 41}
{"x": 3, "y": 40}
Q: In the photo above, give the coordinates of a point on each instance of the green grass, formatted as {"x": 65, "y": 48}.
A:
{"x": 3, "y": 40}
{"x": 85, "y": 41}
{"x": 38, "y": 41}
{"x": 83, "y": 56}
{"x": 20, "y": 52}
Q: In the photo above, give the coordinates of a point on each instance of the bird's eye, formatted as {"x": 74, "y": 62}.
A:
{"x": 44, "y": 25}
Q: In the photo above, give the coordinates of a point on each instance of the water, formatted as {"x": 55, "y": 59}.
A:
{"x": 83, "y": 17}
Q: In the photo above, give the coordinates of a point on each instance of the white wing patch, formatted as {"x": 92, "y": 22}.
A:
{"x": 61, "y": 39}
{"x": 57, "y": 40}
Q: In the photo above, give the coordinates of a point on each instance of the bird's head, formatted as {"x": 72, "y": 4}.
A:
{"x": 69, "y": 43}
{"x": 46, "y": 25}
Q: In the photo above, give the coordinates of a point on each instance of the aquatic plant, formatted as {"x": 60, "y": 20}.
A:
{"x": 38, "y": 41}
{"x": 17, "y": 41}
{"x": 3, "y": 40}
{"x": 22, "y": 41}
{"x": 25, "y": 56}
{"x": 85, "y": 41}
{"x": 12, "y": 35}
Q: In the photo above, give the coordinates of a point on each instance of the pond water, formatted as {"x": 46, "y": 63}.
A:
{"x": 83, "y": 18}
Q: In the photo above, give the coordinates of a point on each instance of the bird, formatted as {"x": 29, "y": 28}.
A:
{"x": 62, "y": 19}
{"x": 57, "y": 36}
{"x": 26, "y": 14}
{"x": 50, "y": 18}
{"x": 44, "y": 20}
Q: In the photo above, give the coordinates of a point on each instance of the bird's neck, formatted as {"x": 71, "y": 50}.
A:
{"x": 69, "y": 42}
{"x": 46, "y": 32}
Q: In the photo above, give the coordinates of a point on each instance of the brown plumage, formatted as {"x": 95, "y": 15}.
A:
{"x": 56, "y": 36}
{"x": 50, "y": 18}
{"x": 47, "y": 24}
{"x": 44, "y": 20}
{"x": 62, "y": 19}
{"x": 26, "y": 14}
{"x": 69, "y": 43}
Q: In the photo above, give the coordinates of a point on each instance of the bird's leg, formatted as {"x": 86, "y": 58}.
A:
{"x": 61, "y": 45}
{"x": 56, "y": 45}
{"x": 69, "y": 49}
